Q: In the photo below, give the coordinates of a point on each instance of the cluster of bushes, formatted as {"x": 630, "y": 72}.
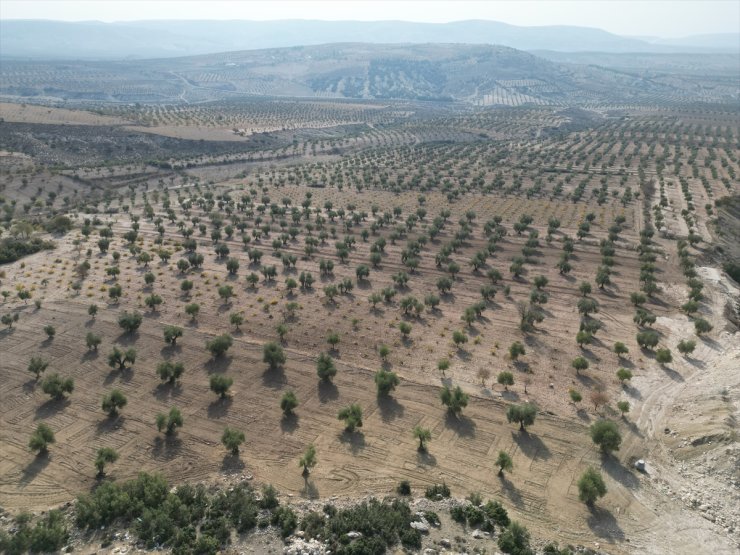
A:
{"x": 485, "y": 517}
{"x": 48, "y": 535}
{"x": 12, "y": 248}
{"x": 187, "y": 520}
{"x": 190, "y": 519}
{"x": 382, "y": 524}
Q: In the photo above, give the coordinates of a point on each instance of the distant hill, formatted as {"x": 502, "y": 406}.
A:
{"x": 475, "y": 74}
{"x": 93, "y": 40}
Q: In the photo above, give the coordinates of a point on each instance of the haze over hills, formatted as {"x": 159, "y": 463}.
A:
{"x": 94, "y": 40}
{"x": 474, "y": 74}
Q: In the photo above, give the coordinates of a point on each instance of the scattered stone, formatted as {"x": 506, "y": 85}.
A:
{"x": 640, "y": 465}
{"x": 422, "y": 527}
{"x": 354, "y": 535}
{"x": 444, "y": 542}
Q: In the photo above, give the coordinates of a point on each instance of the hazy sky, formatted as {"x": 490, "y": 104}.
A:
{"x": 664, "y": 18}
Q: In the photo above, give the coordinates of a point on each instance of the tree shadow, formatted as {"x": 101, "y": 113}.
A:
{"x": 232, "y": 464}
{"x": 30, "y": 385}
{"x": 462, "y": 425}
{"x": 603, "y": 524}
{"x": 355, "y": 440}
{"x": 327, "y": 391}
{"x": 90, "y": 354}
{"x": 510, "y": 395}
{"x": 464, "y": 355}
{"x": 389, "y": 407}
{"x": 585, "y": 380}
{"x": 109, "y": 424}
{"x": 310, "y": 491}
{"x": 671, "y": 373}
{"x": 274, "y": 378}
{"x": 531, "y": 445}
{"x": 619, "y": 473}
{"x": 219, "y": 407}
{"x": 35, "y": 467}
{"x": 219, "y": 364}
{"x": 633, "y": 428}
{"x": 289, "y": 423}
{"x": 583, "y": 415}
{"x": 632, "y": 391}
{"x": 124, "y": 375}
{"x": 511, "y": 492}
{"x": 51, "y": 407}
{"x": 166, "y": 446}
{"x": 127, "y": 338}
{"x": 168, "y": 350}
{"x": 425, "y": 458}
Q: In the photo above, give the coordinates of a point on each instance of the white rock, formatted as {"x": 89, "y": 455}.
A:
{"x": 422, "y": 527}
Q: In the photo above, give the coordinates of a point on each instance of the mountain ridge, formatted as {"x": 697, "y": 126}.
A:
{"x": 90, "y": 40}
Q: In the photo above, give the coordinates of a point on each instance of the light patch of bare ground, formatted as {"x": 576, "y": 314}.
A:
{"x": 689, "y": 417}
{"x": 31, "y": 113}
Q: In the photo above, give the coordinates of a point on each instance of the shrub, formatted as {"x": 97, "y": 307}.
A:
{"x": 37, "y": 366}
{"x": 454, "y": 399}
{"x": 404, "y": 488}
{"x": 104, "y": 456}
{"x": 170, "y": 371}
{"x": 220, "y": 384}
{"x": 308, "y": 460}
{"x": 92, "y": 340}
{"x": 423, "y": 435}
{"x": 352, "y": 416}
{"x": 288, "y": 402}
{"x": 325, "y": 367}
{"x": 437, "y": 491}
{"x": 591, "y": 486}
{"x": 130, "y": 321}
{"x": 605, "y": 434}
{"x": 701, "y": 326}
{"x": 172, "y": 334}
{"x": 686, "y": 346}
{"x": 120, "y": 358}
{"x": 516, "y": 350}
{"x": 647, "y": 339}
{"x": 523, "y": 414}
{"x": 169, "y": 422}
{"x": 273, "y": 355}
{"x": 56, "y": 387}
{"x": 515, "y": 540}
{"x": 506, "y": 379}
{"x": 620, "y": 348}
{"x": 41, "y": 438}
{"x": 386, "y": 381}
{"x": 504, "y": 462}
{"x": 219, "y": 345}
{"x": 663, "y": 356}
{"x": 192, "y": 310}
{"x": 113, "y": 401}
{"x": 232, "y": 439}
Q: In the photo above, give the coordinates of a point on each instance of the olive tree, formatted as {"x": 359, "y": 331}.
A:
{"x": 523, "y": 414}
{"x": 41, "y": 438}
{"x": 113, "y": 401}
{"x": 352, "y": 416}
{"x": 273, "y": 355}
{"x": 605, "y": 434}
{"x": 105, "y": 455}
{"x": 591, "y": 486}
{"x": 232, "y": 439}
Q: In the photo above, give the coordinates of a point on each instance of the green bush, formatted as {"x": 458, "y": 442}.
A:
{"x": 48, "y": 535}
{"x": 11, "y": 249}
{"x": 437, "y": 490}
